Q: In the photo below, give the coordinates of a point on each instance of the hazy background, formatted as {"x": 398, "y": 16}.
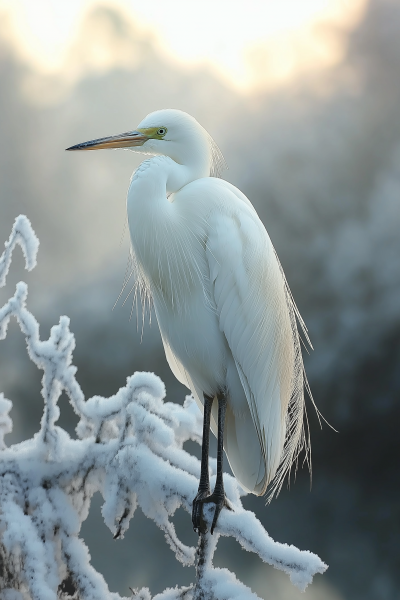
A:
{"x": 307, "y": 114}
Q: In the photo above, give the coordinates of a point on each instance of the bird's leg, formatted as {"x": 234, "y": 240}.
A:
{"x": 199, "y": 524}
{"x": 218, "y": 495}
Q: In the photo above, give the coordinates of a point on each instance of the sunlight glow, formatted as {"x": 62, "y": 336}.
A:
{"x": 248, "y": 42}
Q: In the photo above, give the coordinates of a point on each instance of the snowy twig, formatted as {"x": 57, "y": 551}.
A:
{"x": 22, "y": 234}
{"x": 130, "y": 449}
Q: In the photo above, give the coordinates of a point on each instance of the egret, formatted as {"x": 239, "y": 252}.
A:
{"x": 226, "y": 315}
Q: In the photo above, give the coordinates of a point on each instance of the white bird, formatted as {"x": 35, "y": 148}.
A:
{"x": 223, "y": 306}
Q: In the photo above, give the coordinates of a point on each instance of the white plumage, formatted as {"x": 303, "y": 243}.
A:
{"x": 225, "y": 312}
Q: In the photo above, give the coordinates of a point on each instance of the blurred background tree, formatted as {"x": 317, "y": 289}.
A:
{"x": 309, "y": 122}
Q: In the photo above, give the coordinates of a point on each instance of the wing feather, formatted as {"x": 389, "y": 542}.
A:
{"x": 257, "y": 315}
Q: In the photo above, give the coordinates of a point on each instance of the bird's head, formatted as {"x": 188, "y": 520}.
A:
{"x": 167, "y": 132}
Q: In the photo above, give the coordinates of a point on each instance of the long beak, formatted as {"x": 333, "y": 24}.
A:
{"x": 123, "y": 140}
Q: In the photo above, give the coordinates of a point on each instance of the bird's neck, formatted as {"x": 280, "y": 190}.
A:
{"x": 155, "y": 179}
{"x": 154, "y": 222}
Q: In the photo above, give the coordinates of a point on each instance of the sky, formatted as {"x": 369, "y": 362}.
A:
{"x": 233, "y": 37}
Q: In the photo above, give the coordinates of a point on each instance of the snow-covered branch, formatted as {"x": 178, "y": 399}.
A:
{"x": 22, "y": 234}
{"x": 130, "y": 449}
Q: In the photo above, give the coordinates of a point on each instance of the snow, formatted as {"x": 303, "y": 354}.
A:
{"x": 130, "y": 449}
{"x": 22, "y": 234}
{"x": 5, "y": 421}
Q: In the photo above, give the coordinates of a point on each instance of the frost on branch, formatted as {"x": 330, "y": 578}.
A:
{"x": 130, "y": 449}
{"x": 22, "y": 234}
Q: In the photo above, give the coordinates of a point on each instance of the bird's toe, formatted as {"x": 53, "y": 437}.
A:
{"x": 220, "y": 501}
{"x": 199, "y": 524}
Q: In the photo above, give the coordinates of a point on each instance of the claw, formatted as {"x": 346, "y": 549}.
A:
{"x": 220, "y": 501}
{"x": 199, "y": 524}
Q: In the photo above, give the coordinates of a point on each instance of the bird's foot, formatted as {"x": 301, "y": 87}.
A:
{"x": 220, "y": 501}
{"x": 199, "y": 524}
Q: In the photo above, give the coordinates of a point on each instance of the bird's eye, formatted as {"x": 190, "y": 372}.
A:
{"x": 161, "y": 131}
